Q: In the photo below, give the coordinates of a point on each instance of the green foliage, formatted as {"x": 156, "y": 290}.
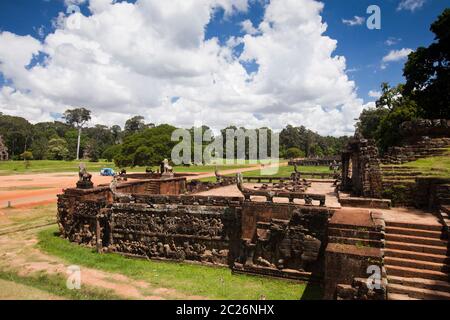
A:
{"x": 134, "y": 125}
{"x": 370, "y": 120}
{"x": 427, "y": 72}
{"x": 382, "y": 123}
{"x": 112, "y": 152}
{"x": 146, "y": 148}
{"x": 294, "y": 152}
{"x": 27, "y": 155}
{"x": 310, "y": 143}
{"x": 426, "y": 93}
{"x": 399, "y": 194}
{"x": 57, "y": 149}
{"x": 387, "y": 133}
{"x": 77, "y": 117}
{"x": 16, "y": 133}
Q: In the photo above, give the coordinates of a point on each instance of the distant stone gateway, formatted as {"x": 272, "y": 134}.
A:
{"x": 4, "y": 155}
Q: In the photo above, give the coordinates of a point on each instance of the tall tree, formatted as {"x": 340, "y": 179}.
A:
{"x": 135, "y": 125}
{"x": 427, "y": 72}
{"x": 79, "y": 118}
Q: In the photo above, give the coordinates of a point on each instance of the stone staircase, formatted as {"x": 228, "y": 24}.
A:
{"x": 425, "y": 147}
{"x": 153, "y": 188}
{"x": 417, "y": 261}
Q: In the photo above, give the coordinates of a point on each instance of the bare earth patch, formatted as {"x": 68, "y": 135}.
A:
{"x": 18, "y": 254}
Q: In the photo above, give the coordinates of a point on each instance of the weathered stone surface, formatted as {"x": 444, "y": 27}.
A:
{"x": 4, "y": 156}
{"x": 361, "y": 173}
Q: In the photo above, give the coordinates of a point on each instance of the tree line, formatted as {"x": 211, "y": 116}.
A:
{"x": 137, "y": 144}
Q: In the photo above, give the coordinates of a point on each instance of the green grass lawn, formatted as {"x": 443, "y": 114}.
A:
{"x": 50, "y": 166}
{"x": 210, "y": 282}
{"x": 432, "y": 166}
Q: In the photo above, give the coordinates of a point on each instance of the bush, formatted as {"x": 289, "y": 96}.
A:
{"x": 112, "y": 152}
{"x": 292, "y": 153}
{"x": 27, "y": 155}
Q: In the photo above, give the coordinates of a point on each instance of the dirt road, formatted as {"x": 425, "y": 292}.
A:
{"x": 27, "y": 190}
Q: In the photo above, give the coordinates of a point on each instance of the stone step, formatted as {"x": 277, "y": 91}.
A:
{"x": 355, "y": 241}
{"x": 437, "y": 258}
{"x": 418, "y": 293}
{"x": 355, "y": 233}
{"x": 414, "y": 232}
{"x": 418, "y": 264}
{"x": 416, "y": 273}
{"x": 433, "y": 227}
{"x": 401, "y": 297}
{"x": 421, "y": 283}
{"x": 416, "y": 247}
{"x": 417, "y": 240}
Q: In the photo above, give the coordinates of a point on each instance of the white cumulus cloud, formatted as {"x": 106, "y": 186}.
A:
{"x": 355, "y": 21}
{"x": 247, "y": 26}
{"x": 397, "y": 55}
{"x": 374, "y": 94}
{"x": 411, "y": 5}
{"x": 151, "y": 58}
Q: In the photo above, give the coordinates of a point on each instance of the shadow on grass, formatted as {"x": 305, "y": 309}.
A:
{"x": 313, "y": 291}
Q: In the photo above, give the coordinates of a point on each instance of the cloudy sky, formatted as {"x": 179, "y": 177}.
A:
{"x": 248, "y": 63}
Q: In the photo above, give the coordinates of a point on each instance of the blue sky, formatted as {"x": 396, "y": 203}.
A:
{"x": 151, "y": 56}
{"x": 362, "y": 48}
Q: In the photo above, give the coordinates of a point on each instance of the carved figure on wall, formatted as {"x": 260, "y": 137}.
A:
{"x": 166, "y": 169}
{"x": 84, "y": 178}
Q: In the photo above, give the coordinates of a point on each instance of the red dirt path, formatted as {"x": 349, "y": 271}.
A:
{"x": 35, "y": 189}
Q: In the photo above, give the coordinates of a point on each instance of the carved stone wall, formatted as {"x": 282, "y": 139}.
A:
{"x": 423, "y": 148}
{"x": 197, "y": 186}
{"x": 361, "y": 173}
{"x": 355, "y": 250}
{"x": 282, "y": 240}
{"x": 419, "y": 139}
{"x": 174, "y": 232}
{"x": 326, "y": 161}
{"x": 258, "y": 237}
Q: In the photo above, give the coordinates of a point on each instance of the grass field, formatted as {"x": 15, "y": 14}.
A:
{"x": 48, "y": 166}
{"x": 197, "y": 280}
{"x": 432, "y": 166}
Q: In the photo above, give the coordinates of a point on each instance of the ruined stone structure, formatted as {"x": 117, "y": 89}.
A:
{"x": 355, "y": 245}
{"x": 325, "y": 161}
{"x": 84, "y": 181}
{"x": 267, "y": 238}
{"x": 154, "y": 217}
{"x": 4, "y": 156}
{"x": 361, "y": 173}
{"x": 419, "y": 139}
